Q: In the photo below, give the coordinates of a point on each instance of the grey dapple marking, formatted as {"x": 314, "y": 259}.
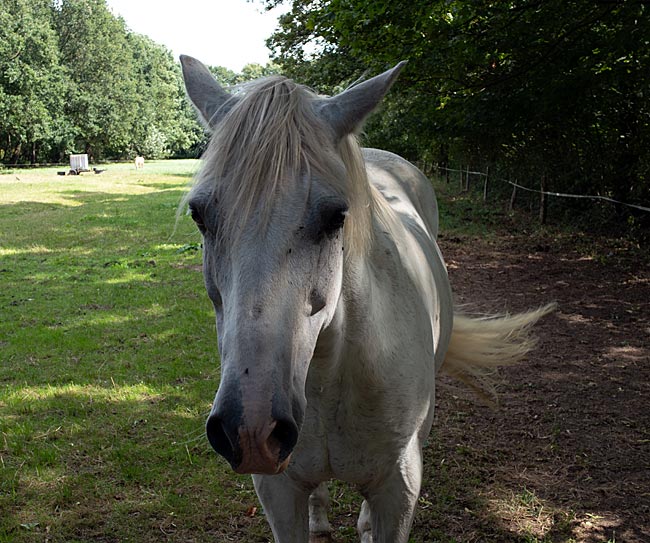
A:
{"x": 333, "y": 305}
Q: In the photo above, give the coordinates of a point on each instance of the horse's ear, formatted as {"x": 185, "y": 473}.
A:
{"x": 206, "y": 94}
{"x": 346, "y": 112}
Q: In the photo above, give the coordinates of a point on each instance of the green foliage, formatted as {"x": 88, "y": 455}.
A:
{"x": 98, "y": 105}
{"x": 164, "y": 123}
{"x": 249, "y": 72}
{"x": 31, "y": 80}
{"x": 530, "y": 88}
{"x": 75, "y": 79}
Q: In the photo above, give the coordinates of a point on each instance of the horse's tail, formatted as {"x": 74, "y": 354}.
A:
{"x": 479, "y": 345}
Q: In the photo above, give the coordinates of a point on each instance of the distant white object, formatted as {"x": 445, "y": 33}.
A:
{"x": 79, "y": 163}
{"x": 139, "y": 162}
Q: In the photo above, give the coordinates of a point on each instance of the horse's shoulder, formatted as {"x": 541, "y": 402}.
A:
{"x": 399, "y": 180}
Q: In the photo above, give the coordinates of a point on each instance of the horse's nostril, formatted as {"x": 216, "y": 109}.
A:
{"x": 224, "y": 439}
{"x": 284, "y": 436}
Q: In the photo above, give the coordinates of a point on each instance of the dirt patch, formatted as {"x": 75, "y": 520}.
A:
{"x": 566, "y": 457}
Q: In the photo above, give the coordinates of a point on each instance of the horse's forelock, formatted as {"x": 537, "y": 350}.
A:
{"x": 264, "y": 145}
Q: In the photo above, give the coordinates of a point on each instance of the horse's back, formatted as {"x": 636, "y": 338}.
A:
{"x": 403, "y": 186}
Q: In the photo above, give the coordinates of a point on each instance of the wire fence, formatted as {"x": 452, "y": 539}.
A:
{"x": 466, "y": 172}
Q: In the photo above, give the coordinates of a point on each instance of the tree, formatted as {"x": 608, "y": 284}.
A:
{"x": 249, "y": 72}
{"x": 31, "y": 81}
{"x": 99, "y": 102}
{"x": 536, "y": 88}
{"x": 163, "y": 124}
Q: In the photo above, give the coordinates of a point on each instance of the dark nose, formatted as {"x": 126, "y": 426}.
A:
{"x": 223, "y": 435}
{"x": 261, "y": 445}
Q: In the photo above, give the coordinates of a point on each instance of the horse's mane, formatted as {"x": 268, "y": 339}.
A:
{"x": 272, "y": 138}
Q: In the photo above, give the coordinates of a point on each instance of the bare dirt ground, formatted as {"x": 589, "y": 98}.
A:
{"x": 566, "y": 455}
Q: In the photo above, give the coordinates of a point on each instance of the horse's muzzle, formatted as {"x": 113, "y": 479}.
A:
{"x": 252, "y": 448}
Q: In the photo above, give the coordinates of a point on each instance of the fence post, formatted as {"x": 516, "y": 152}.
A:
{"x": 485, "y": 184}
{"x": 461, "y": 178}
{"x": 513, "y": 196}
{"x": 543, "y": 202}
{"x": 467, "y": 179}
{"x": 447, "y": 172}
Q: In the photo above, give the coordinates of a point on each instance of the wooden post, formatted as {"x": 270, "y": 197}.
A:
{"x": 467, "y": 179}
{"x": 513, "y": 197}
{"x": 447, "y": 172}
{"x": 462, "y": 184}
{"x": 543, "y": 201}
{"x": 485, "y": 184}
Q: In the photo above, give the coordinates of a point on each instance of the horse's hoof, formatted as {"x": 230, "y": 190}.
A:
{"x": 320, "y": 538}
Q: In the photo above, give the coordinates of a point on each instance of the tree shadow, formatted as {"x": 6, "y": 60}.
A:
{"x": 111, "y": 464}
{"x": 109, "y": 369}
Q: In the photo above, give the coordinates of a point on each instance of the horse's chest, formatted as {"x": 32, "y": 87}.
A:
{"x": 354, "y": 439}
{"x": 357, "y": 456}
{"x": 344, "y": 453}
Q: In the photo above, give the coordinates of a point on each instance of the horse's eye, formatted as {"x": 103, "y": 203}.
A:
{"x": 333, "y": 220}
{"x": 196, "y": 217}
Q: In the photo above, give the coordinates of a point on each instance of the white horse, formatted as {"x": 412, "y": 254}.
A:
{"x": 333, "y": 305}
{"x": 139, "y": 162}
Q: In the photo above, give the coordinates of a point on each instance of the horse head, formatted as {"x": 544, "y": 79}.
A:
{"x": 280, "y": 205}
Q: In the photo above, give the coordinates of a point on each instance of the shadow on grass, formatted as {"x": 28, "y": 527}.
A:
{"x": 109, "y": 368}
{"x": 113, "y": 464}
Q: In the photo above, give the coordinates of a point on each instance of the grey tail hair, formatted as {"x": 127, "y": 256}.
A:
{"x": 480, "y": 345}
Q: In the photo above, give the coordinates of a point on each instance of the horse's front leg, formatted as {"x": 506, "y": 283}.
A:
{"x": 387, "y": 513}
{"x": 319, "y": 527}
{"x": 286, "y": 507}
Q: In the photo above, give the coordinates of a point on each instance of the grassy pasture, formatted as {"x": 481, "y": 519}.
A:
{"x": 108, "y": 364}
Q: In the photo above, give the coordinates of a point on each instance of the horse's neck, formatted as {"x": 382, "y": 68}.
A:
{"x": 358, "y": 327}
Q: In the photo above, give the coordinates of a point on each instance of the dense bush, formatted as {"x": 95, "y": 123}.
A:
{"x": 556, "y": 89}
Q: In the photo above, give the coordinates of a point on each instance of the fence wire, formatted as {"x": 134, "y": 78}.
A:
{"x": 549, "y": 193}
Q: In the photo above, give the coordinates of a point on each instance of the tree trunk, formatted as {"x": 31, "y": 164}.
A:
{"x": 15, "y": 157}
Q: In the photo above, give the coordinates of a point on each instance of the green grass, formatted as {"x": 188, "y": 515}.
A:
{"x": 465, "y": 213}
{"x": 109, "y": 363}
